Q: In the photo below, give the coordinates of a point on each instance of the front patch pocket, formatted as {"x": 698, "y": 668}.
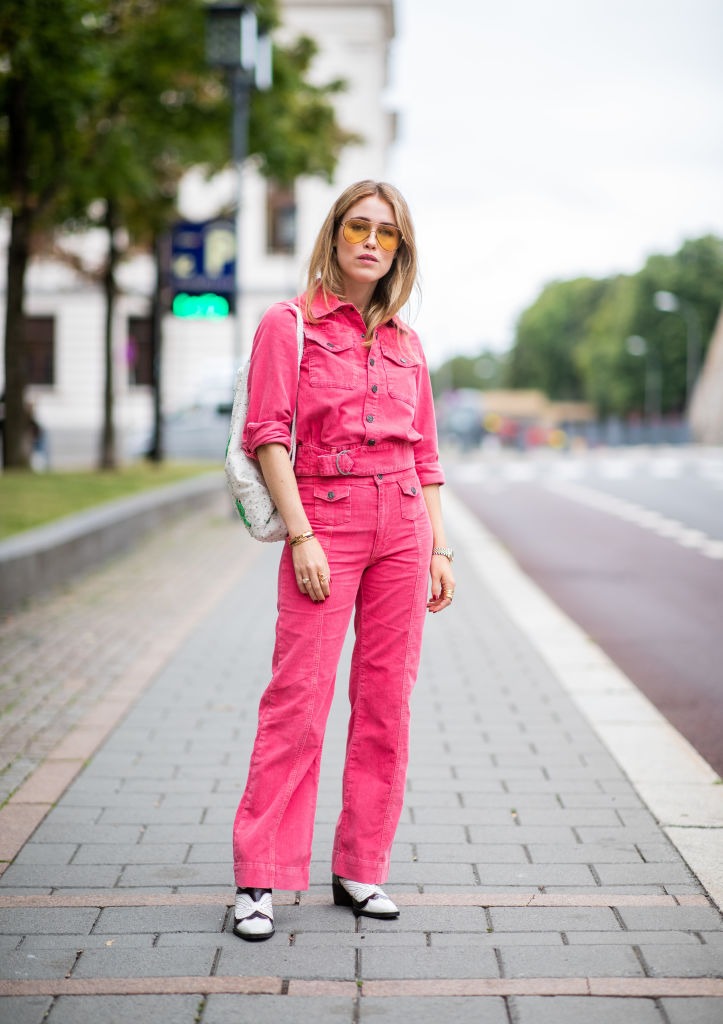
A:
{"x": 332, "y": 505}
{"x": 410, "y": 497}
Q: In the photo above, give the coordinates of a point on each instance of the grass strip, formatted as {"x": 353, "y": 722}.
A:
{"x": 33, "y": 499}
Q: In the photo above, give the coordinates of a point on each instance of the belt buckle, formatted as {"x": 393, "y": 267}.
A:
{"x": 340, "y": 471}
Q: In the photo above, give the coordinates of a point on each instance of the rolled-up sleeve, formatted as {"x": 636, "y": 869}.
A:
{"x": 273, "y": 381}
{"x": 426, "y": 451}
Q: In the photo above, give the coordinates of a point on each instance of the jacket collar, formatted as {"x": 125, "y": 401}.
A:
{"x": 325, "y": 303}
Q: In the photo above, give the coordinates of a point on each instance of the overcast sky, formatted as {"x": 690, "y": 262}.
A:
{"x": 546, "y": 139}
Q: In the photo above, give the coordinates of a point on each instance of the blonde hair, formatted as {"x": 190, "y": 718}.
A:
{"x": 393, "y": 290}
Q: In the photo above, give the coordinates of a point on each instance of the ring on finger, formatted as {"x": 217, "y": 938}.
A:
{"x": 322, "y": 577}
{"x": 306, "y": 580}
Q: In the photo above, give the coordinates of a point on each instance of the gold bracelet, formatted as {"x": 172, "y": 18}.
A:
{"x": 300, "y": 538}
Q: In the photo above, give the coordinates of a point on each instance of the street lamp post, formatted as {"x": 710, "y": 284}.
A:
{"x": 234, "y": 43}
{"x": 653, "y": 380}
{"x": 667, "y": 302}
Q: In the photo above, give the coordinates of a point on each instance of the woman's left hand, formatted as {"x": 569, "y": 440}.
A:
{"x": 440, "y": 570}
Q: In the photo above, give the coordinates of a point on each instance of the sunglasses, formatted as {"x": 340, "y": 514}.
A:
{"x": 358, "y": 230}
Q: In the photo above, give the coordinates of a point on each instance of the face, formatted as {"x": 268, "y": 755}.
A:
{"x": 364, "y": 263}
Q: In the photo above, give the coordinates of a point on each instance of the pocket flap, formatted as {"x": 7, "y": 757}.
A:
{"x": 402, "y": 357}
{"x": 413, "y": 488}
{"x": 318, "y": 334}
{"x": 331, "y": 494}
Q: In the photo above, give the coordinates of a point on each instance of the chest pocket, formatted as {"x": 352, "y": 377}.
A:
{"x": 401, "y": 369}
{"x": 331, "y": 360}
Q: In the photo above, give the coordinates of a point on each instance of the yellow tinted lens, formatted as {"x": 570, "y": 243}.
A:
{"x": 357, "y": 230}
{"x": 388, "y": 237}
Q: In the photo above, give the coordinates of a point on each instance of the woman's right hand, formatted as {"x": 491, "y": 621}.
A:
{"x": 311, "y": 569}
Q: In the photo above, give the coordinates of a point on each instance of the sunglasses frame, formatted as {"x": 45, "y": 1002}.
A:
{"x": 375, "y": 229}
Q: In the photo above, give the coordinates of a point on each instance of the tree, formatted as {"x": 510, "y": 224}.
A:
{"x": 48, "y": 77}
{"x": 548, "y": 334}
{"x": 607, "y": 369}
{"x": 150, "y": 108}
{"x": 572, "y": 342}
{"x": 483, "y": 371}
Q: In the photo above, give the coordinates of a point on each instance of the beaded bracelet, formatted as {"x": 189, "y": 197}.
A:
{"x": 300, "y": 538}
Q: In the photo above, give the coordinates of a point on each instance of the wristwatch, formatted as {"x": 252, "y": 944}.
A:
{"x": 447, "y": 552}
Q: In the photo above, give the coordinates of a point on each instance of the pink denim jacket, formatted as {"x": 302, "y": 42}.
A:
{"x": 348, "y": 394}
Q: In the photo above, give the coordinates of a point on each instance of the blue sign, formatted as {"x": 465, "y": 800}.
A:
{"x": 203, "y": 258}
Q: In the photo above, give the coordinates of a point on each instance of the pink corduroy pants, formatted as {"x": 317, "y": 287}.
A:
{"x": 377, "y": 536}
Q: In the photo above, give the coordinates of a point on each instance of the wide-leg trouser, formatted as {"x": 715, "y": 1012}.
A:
{"x": 378, "y": 540}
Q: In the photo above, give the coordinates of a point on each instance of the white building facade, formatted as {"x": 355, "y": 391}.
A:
{"x": 66, "y": 309}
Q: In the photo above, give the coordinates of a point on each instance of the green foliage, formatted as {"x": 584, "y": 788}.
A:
{"x": 484, "y": 371}
{"x": 293, "y": 126}
{"x": 611, "y": 377}
{"x": 114, "y": 100}
{"x": 49, "y": 78}
{"x": 104, "y": 104}
{"x": 160, "y": 109}
{"x": 573, "y": 341}
{"x": 548, "y": 334}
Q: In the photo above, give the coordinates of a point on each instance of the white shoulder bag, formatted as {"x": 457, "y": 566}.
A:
{"x": 245, "y": 479}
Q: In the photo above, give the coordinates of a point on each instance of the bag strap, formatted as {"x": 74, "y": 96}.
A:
{"x": 300, "y": 352}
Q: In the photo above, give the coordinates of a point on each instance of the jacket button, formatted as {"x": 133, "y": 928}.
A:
{"x": 380, "y": 476}
{"x": 330, "y": 495}
{"x": 371, "y": 441}
{"x": 371, "y": 361}
{"x": 414, "y": 490}
{"x": 370, "y": 418}
{"x": 402, "y": 359}
{"x": 375, "y": 388}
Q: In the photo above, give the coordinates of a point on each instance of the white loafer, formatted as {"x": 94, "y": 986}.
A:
{"x": 364, "y": 899}
{"x": 254, "y": 914}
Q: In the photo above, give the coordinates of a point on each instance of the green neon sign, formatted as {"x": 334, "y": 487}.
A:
{"x": 200, "y": 307}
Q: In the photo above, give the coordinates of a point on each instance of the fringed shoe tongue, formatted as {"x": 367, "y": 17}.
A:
{"x": 360, "y": 891}
{"x": 371, "y": 900}
{"x": 254, "y": 914}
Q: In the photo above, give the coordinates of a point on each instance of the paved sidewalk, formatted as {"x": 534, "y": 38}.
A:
{"x": 536, "y": 887}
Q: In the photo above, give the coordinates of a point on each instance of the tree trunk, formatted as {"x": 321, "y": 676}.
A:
{"x": 17, "y": 444}
{"x": 108, "y": 459}
{"x": 158, "y": 305}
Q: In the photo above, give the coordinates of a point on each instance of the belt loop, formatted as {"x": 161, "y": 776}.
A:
{"x": 342, "y": 472}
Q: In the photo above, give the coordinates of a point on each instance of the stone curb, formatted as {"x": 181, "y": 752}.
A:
{"x": 48, "y": 556}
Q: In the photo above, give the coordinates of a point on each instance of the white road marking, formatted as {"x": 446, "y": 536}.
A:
{"x": 640, "y": 516}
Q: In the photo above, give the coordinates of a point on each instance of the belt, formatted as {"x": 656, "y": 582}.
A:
{"x": 361, "y": 460}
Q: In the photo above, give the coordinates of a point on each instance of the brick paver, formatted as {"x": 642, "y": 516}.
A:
{"x": 62, "y": 653}
{"x": 534, "y": 884}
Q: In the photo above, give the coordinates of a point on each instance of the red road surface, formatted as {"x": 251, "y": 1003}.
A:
{"x": 654, "y": 607}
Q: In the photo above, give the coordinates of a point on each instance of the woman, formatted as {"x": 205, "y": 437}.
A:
{"x": 362, "y": 510}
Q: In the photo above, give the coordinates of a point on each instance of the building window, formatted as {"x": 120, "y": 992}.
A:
{"x": 40, "y": 349}
{"x": 280, "y": 219}
{"x": 139, "y": 351}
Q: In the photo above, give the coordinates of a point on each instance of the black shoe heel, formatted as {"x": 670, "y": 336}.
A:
{"x": 341, "y": 896}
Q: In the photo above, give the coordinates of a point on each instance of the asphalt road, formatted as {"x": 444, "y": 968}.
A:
{"x": 629, "y": 544}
